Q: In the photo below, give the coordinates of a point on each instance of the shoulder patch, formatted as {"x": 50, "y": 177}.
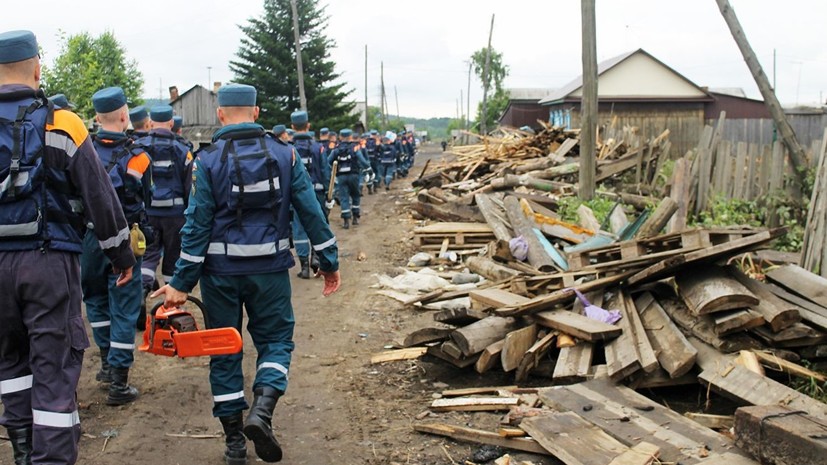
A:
{"x": 71, "y": 124}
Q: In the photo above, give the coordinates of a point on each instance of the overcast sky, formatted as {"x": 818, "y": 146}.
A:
{"x": 425, "y": 44}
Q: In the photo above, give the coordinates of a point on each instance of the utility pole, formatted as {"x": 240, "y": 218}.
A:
{"x": 297, "y": 38}
{"x": 384, "y": 101}
{"x": 396, "y": 96}
{"x": 461, "y": 107}
{"x": 797, "y": 156}
{"x": 209, "y": 77}
{"x": 467, "y": 121}
{"x": 486, "y": 78}
{"x": 367, "y": 108}
{"x": 588, "y": 103}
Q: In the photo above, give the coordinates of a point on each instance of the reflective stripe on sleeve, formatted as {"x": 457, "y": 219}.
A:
{"x": 16, "y": 384}
{"x": 325, "y": 244}
{"x": 100, "y": 324}
{"x": 191, "y": 258}
{"x": 114, "y": 241}
{"x": 121, "y": 345}
{"x": 54, "y": 419}
{"x": 61, "y": 142}
{"x": 228, "y": 397}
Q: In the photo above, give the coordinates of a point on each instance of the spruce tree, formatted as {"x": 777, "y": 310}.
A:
{"x": 266, "y": 59}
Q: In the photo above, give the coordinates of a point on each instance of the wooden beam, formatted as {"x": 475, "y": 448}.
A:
{"x": 572, "y": 439}
{"x": 573, "y": 363}
{"x": 640, "y": 454}
{"x": 577, "y": 325}
{"x": 675, "y": 354}
{"x": 400, "y": 354}
{"x": 777, "y": 313}
{"x": 496, "y": 298}
{"x": 517, "y": 342}
{"x": 780, "y": 435}
{"x": 490, "y": 357}
{"x": 534, "y": 355}
{"x": 474, "y": 404}
{"x": 808, "y": 285}
{"x": 723, "y": 422}
{"x": 657, "y": 221}
{"x": 493, "y": 216}
{"x": 476, "y": 436}
{"x": 537, "y": 255}
{"x": 622, "y": 358}
{"x": 562, "y": 296}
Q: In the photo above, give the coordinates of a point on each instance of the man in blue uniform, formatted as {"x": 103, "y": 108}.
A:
{"x": 47, "y": 164}
{"x": 112, "y": 310}
{"x": 370, "y": 149}
{"x": 280, "y": 133}
{"x": 61, "y": 101}
{"x": 172, "y": 176}
{"x": 310, "y": 153}
{"x": 237, "y": 241}
{"x": 139, "y": 118}
{"x": 351, "y": 162}
{"x": 177, "y": 124}
{"x": 387, "y": 159}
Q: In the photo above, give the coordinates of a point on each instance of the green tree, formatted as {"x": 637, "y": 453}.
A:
{"x": 266, "y": 59}
{"x": 87, "y": 64}
{"x": 497, "y": 94}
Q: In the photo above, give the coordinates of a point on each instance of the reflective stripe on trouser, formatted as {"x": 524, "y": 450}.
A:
{"x": 349, "y": 195}
{"x": 300, "y": 240}
{"x": 386, "y": 172}
{"x": 266, "y": 297}
{"x": 42, "y": 340}
{"x": 105, "y": 302}
{"x": 165, "y": 249}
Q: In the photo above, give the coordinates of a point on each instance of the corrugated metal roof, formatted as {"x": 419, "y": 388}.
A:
{"x": 577, "y": 83}
{"x": 731, "y": 91}
{"x": 529, "y": 93}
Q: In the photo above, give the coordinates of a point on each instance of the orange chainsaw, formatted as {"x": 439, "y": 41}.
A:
{"x": 174, "y": 331}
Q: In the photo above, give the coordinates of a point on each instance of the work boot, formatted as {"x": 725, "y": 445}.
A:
{"x": 305, "y": 271}
{"x": 314, "y": 262}
{"x": 258, "y": 427}
{"x": 120, "y": 392}
{"x": 355, "y": 221}
{"x": 104, "y": 375}
{"x": 236, "y": 451}
{"x": 21, "y": 445}
{"x": 347, "y": 224}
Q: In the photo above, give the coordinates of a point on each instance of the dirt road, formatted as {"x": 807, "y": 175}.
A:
{"x": 338, "y": 409}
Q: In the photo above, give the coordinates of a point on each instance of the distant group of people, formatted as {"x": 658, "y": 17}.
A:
{"x": 90, "y": 217}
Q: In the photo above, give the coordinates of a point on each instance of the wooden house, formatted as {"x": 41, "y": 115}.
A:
{"x": 524, "y": 107}
{"x": 198, "y": 107}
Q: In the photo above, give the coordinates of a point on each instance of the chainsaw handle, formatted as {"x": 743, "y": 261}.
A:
{"x": 190, "y": 298}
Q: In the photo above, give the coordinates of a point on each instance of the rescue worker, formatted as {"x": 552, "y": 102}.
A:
{"x": 61, "y": 101}
{"x": 402, "y": 149}
{"x": 351, "y": 162}
{"x": 280, "y": 133}
{"x": 290, "y": 134}
{"x": 332, "y": 143}
{"x": 370, "y": 144}
{"x": 172, "y": 176}
{"x": 324, "y": 136}
{"x": 113, "y": 310}
{"x": 375, "y": 141}
{"x": 139, "y": 118}
{"x": 310, "y": 153}
{"x": 387, "y": 159}
{"x": 177, "y": 124}
{"x": 236, "y": 240}
{"x": 43, "y": 336}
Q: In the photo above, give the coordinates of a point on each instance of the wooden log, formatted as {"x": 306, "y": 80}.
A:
{"x": 776, "y": 312}
{"x": 640, "y": 454}
{"x": 509, "y": 181}
{"x": 557, "y": 171}
{"x": 493, "y": 216}
{"x": 658, "y": 219}
{"x": 674, "y": 352}
{"x": 475, "y": 337}
{"x": 534, "y": 355}
{"x": 779, "y": 435}
{"x": 474, "y": 404}
{"x": 427, "y": 335}
{"x": 723, "y": 422}
{"x": 572, "y": 439}
{"x": 710, "y": 289}
{"x": 517, "y": 342}
{"x": 537, "y": 255}
{"x": 742, "y": 385}
{"x": 490, "y": 269}
{"x": 490, "y": 357}
{"x": 577, "y": 325}
{"x": 461, "y": 433}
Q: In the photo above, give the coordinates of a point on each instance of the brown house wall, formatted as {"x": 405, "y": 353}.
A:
{"x": 524, "y": 114}
{"x": 736, "y": 108}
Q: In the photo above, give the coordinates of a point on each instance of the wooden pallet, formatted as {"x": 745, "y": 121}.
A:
{"x": 637, "y": 252}
{"x": 459, "y": 235}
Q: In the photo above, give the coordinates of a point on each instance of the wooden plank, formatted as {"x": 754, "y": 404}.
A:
{"x": 723, "y": 422}
{"x": 622, "y": 357}
{"x": 437, "y": 352}
{"x": 748, "y": 360}
{"x": 426, "y": 336}
{"x": 577, "y": 325}
{"x": 710, "y": 289}
{"x": 811, "y": 312}
{"x": 640, "y": 454}
{"x": 734, "y": 321}
{"x": 400, "y": 354}
{"x": 533, "y": 356}
{"x": 777, "y": 313}
{"x": 572, "y": 439}
{"x": 474, "y": 404}
{"x": 573, "y": 363}
{"x": 751, "y": 183}
{"x": 451, "y": 228}
{"x": 659, "y": 379}
{"x": 517, "y": 342}
{"x": 671, "y": 266}
{"x": 681, "y": 183}
{"x": 657, "y": 221}
{"x": 646, "y": 354}
{"x": 739, "y": 174}
{"x": 496, "y": 298}
{"x": 800, "y": 281}
{"x": 461, "y": 433}
{"x": 742, "y": 385}
{"x": 631, "y": 418}
{"x": 674, "y": 352}
{"x": 490, "y": 357}
{"x": 779, "y": 364}
{"x": 477, "y": 391}
{"x": 795, "y": 336}
{"x": 586, "y": 219}
{"x": 560, "y": 297}
{"x": 703, "y": 327}
{"x": 779, "y": 435}
{"x": 475, "y": 337}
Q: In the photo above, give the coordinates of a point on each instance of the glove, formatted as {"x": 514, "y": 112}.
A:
{"x": 329, "y": 204}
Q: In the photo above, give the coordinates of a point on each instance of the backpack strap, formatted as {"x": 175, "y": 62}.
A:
{"x": 17, "y": 127}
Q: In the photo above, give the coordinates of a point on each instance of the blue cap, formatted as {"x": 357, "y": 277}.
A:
{"x": 138, "y": 114}
{"x": 298, "y": 117}
{"x": 17, "y": 46}
{"x": 108, "y": 100}
{"x": 61, "y": 101}
{"x": 373, "y": 132}
{"x": 177, "y": 122}
{"x": 345, "y": 133}
{"x": 160, "y": 113}
{"x": 237, "y": 95}
{"x": 279, "y": 129}
{"x": 324, "y": 131}
{"x": 290, "y": 132}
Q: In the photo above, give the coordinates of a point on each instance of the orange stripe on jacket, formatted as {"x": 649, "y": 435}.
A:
{"x": 71, "y": 124}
